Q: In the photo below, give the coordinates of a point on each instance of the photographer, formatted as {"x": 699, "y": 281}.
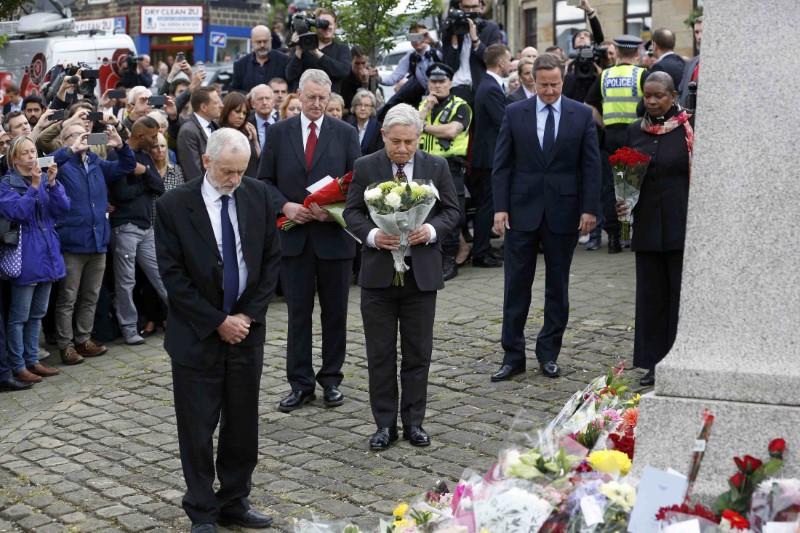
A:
{"x": 584, "y": 69}
{"x": 260, "y": 66}
{"x": 362, "y": 76}
{"x": 331, "y": 57}
{"x": 136, "y": 71}
{"x": 465, "y": 37}
{"x": 70, "y": 83}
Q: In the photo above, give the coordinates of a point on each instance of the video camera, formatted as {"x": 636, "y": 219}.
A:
{"x": 456, "y": 22}
{"x": 59, "y": 73}
{"x": 585, "y": 60}
{"x": 304, "y": 26}
{"x": 131, "y": 61}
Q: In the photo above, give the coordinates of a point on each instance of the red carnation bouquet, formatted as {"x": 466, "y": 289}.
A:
{"x": 629, "y": 168}
{"x": 330, "y": 197}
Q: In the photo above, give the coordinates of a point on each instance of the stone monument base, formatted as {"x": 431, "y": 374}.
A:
{"x": 668, "y": 427}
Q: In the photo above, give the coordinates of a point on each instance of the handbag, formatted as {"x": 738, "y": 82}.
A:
{"x": 11, "y": 260}
{"x": 9, "y": 232}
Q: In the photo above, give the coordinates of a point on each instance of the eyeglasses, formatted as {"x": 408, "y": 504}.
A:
{"x": 76, "y": 134}
{"x": 318, "y": 99}
{"x": 364, "y": 106}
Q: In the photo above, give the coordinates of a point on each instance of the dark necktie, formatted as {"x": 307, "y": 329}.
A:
{"x": 230, "y": 262}
{"x": 401, "y": 173}
{"x": 311, "y": 145}
{"x": 549, "y": 131}
{"x": 262, "y": 134}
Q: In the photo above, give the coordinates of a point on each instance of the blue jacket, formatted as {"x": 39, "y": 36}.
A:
{"x": 85, "y": 228}
{"x": 36, "y": 211}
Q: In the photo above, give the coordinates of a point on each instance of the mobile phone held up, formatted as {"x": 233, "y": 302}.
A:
{"x": 95, "y": 116}
{"x": 416, "y": 37}
{"x": 45, "y": 162}
{"x": 97, "y": 138}
{"x": 157, "y": 101}
{"x": 119, "y": 94}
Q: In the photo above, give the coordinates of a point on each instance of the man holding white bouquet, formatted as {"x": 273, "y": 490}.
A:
{"x": 410, "y": 298}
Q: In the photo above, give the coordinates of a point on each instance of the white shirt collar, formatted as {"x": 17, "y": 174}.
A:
{"x": 305, "y": 121}
{"x": 528, "y": 94}
{"x": 665, "y": 55}
{"x": 203, "y": 123}
{"x": 497, "y": 78}
{"x": 540, "y": 105}
{"x": 209, "y": 192}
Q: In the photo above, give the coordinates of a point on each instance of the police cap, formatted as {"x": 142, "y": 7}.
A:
{"x": 439, "y": 72}
{"x": 628, "y": 41}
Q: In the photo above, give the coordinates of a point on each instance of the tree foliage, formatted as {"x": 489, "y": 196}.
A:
{"x": 374, "y": 25}
{"x": 8, "y": 8}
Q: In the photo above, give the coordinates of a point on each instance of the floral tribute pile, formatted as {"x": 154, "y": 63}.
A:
{"x": 575, "y": 480}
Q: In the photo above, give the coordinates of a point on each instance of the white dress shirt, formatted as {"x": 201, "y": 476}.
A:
{"x": 463, "y": 76}
{"x": 528, "y": 94}
{"x": 204, "y": 125}
{"x": 409, "y": 170}
{"x": 212, "y": 199}
{"x": 541, "y": 118}
{"x": 498, "y": 79}
{"x": 304, "y": 123}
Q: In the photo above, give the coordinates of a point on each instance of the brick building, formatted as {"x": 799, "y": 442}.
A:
{"x": 542, "y": 23}
{"x": 162, "y": 28}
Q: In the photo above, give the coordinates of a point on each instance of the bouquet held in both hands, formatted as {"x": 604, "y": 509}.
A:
{"x": 399, "y": 208}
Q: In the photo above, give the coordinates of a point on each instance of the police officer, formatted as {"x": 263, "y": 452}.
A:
{"x": 614, "y": 97}
{"x": 445, "y": 133}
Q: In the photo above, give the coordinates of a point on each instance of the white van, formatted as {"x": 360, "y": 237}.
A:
{"x": 38, "y": 42}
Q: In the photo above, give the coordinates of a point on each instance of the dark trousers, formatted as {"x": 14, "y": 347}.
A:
{"x": 658, "y": 295}
{"x": 381, "y": 310}
{"x": 484, "y": 212}
{"x": 227, "y": 393}
{"x": 519, "y": 263}
{"x": 410, "y": 93}
{"x": 302, "y": 277}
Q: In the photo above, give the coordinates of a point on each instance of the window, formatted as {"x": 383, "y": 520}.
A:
{"x": 531, "y": 37}
{"x": 568, "y": 20}
{"x": 638, "y": 18}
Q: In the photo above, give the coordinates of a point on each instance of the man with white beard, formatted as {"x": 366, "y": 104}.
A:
{"x": 260, "y": 66}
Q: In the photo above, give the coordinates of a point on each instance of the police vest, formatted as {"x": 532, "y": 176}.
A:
{"x": 620, "y": 86}
{"x": 455, "y": 147}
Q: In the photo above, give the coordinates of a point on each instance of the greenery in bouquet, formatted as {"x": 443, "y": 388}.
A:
{"x": 629, "y": 168}
{"x": 751, "y": 472}
{"x": 533, "y": 464}
{"x": 392, "y": 196}
{"x": 599, "y": 505}
{"x": 422, "y": 515}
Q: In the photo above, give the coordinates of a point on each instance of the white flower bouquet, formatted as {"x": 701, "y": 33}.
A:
{"x": 398, "y": 209}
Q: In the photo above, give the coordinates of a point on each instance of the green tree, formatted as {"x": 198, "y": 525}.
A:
{"x": 8, "y": 8}
{"x": 374, "y": 25}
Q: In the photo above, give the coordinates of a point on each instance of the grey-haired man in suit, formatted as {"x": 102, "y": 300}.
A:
{"x": 412, "y": 305}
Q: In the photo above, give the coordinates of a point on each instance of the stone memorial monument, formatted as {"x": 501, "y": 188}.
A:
{"x": 737, "y": 352}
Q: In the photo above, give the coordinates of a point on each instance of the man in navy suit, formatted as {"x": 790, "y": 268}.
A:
{"x": 546, "y": 186}
{"x": 490, "y": 106}
{"x": 668, "y": 60}
{"x": 317, "y": 254}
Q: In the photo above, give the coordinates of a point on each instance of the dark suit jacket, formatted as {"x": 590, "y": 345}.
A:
{"x": 518, "y": 95}
{"x": 191, "y": 145}
{"x": 683, "y": 88}
{"x": 191, "y": 268}
{"x": 247, "y": 72}
{"x": 452, "y": 56}
{"x": 529, "y": 186}
{"x": 335, "y": 61}
{"x": 283, "y": 168}
{"x": 373, "y": 140}
{"x": 377, "y": 266}
{"x": 490, "y": 106}
{"x": 673, "y": 65}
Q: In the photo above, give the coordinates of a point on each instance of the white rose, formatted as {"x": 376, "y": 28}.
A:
{"x": 393, "y": 200}
{"x": 372, "y": 194}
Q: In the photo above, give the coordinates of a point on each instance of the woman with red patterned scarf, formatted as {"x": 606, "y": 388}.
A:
{"x": 664, "y": 134}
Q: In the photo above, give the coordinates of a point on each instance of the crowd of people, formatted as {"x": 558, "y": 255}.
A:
{"x": 126, "y": 215}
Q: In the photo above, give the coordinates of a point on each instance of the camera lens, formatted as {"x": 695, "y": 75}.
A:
{"x": 73, "y": 80}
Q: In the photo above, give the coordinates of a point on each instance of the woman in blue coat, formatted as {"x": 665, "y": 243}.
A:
{"x": 34, "y": 199}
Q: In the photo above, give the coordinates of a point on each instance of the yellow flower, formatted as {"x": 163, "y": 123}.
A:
{"x": 400, "y": 525}
{"x": 400, "y": 510}
{"x": 610, "y": 461}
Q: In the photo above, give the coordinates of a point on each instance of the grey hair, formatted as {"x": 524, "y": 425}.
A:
{"x": 160, "y": 116}
{"x": 252, "y": 94}
{"x": 133, "y": 94}
{"x": 337, "y": 98}
{"x": 64, "y": 131}
{"x": 361, "y": 94}
{"x": 228, "y": 140}
{"x": 403, "y": 115}
{"x": 315, "y": 75}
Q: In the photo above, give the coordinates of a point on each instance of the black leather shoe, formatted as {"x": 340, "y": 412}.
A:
{"x": 204, "y": 528}
{"x": 550, "y": 369}
{"x": 332, "y": 396}
{"x": 497, "y": 253}
{"x": 594, "y": 242}
{"x": 486, "y": 261}
{"x": 13, "y": 384}
{"x": 614, "y": 246}
{"x": 416, "y": 436}
{"x": 383, "y": 438}
{"x": 649, "y": 379}
{"x": 449, "y": 268}
{"x": 507, "y": 372}
{"x": 295, "y": 400}
{"x": 251, "y": 519}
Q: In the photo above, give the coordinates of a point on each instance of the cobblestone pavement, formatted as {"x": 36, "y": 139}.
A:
{"x": 95, "y": 448}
